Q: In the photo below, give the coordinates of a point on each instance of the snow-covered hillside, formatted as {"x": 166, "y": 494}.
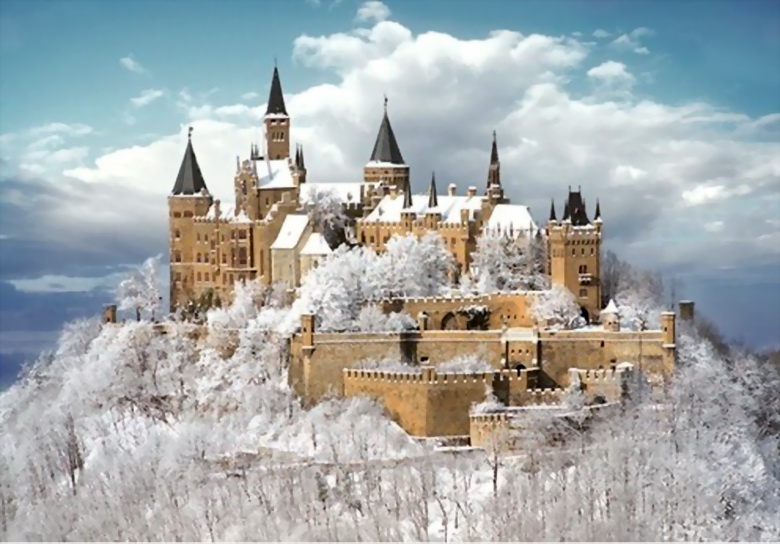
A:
{"x": 126, "y": 434}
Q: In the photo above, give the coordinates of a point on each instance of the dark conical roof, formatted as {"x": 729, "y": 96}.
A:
{"x": 433, "y": 198}
{"x": 598, "y": 209}
{"x": 552, "y": 210}
{"x": 407, "y": 195}
{"x": 386, "y": 147}
{"x": 494, "y": 150}
{"x": 190, "y": 179}
{"x": 578, "y": 216}
{"x": 303, "y": 161}
{"x": 275, "y": 96}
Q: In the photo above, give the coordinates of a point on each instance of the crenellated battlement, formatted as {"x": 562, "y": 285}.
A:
{"x": 602, "y": 374}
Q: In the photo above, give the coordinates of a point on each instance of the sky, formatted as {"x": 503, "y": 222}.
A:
{"x": 667, "y": 112}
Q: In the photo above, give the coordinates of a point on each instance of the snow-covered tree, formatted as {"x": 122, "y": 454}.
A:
{"x": 327, "y": 214}
{"x": 140, "y": 291}
{"x": 412, "y": 267}
{"x": 557, "y": 308}
{"x": 372, "y": 319}
{"x": 507, "y": 263}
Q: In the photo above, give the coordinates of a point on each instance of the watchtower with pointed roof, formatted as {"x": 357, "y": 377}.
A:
{"x": 386, "y": 163}
{"x": 574, "y": 250}
{"x": 277, "y": 122}
{"x": 189, "y": 198}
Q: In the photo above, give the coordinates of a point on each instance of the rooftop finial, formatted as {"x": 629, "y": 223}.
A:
{"x": 189, "y": 133}
{"x": 385, "y": 104}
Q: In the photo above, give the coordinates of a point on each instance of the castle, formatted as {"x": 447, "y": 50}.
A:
{"x": 269, "y": 236}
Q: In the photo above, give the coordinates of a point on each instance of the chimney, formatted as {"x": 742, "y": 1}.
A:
{"x": 452, "y": 189}
{"x": 472, "y": 191}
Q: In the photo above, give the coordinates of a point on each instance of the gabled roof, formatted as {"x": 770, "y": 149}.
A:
{"x": 316, "y": 245}
{"x": 291, "y": 232}
{"x": 386, "y": 148}
{"x": 190, "y": 179}
{"x": 275, "y": 96}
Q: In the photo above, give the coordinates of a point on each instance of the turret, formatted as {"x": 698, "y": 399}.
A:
{"x": 300, "y": 164}
{"x": 386, "y": 162}
{"x": 277, "y": 122}
{"x": 574, "y": 250}
{"x": 610, "y": 317}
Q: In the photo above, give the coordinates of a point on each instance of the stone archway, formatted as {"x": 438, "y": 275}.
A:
{"x": 449, "y": 322}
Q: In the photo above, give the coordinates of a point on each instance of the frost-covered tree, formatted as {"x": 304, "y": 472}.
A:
{"x": 557, "y": 308}
{"x": 140, "y": 291}
{"x": 412, "y": 267}
{"x": 508, "y": 263}
{"x": 326, "y": 212}
{"x": 372, "y": 319}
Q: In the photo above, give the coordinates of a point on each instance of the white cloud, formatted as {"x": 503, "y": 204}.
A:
{"x": 714, "y": 226}
{"x": 653, "y": 165}
{"x": 372, "y": 11}
{"x": 133, "y": 65}
{"x": 600, "y": 33}
{"x": 612, "y": 72}
{"x": 75, "y": 129}
{"x": 146, "y": 97}
{"x": 251, "y": 95}
{"x": 631, "y": 41}
{"x": 66, "y": 284}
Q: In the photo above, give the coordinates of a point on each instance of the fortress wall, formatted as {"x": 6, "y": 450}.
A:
{"x": 609, "y": 383}
{"x": 404, "y": 396}
{"x": 511, "y": 309}
{"x": 522, "y": 352}
{"x": 589, "y": 350}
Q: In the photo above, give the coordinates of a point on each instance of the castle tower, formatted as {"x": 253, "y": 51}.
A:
{"x": 386, "y": 162}
{"x": 669, "y": 339}
{"x": 277, "y": 122}
{"x": 189, "y": 198}
{"x": 574, "y": 249}
{"x": 407, "y": 212}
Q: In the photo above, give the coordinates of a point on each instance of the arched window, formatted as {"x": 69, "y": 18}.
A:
{"x": 177, "y": 257}
{"x": 197, "y": 258}
{"x": 177, "y": 234}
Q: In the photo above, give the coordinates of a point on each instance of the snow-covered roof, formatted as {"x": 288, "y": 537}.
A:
{"x": 291, "y": 232}
{"x": 382, "y": 164}
{"x": 227, "y": 214}
{"x": 345, "y": 192}
{"x": 611, "y": 308}
{"x": 389, "y": 208}
{"x": 274, "y": 174}
{"x": 511, "y": 218}
{"x": 316, "y": 245}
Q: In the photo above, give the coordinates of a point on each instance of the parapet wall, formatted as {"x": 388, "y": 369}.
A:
{"x": 427, "y": 403}
{"x": 510, "y": 309}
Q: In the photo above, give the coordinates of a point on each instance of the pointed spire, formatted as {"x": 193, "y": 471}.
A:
{"x": 407, "y": 195}
{"x": 386, "y": 147}
{"x": 303, "y": 160}
{"x": 433, "y": 198}
{"x": 275, "y": 96}
{"x": 598, "y": 210}
{"x": 190, "y": 179}
{"x": 298, "y": 156}
{"x": 494, "y": 170}
{"x": 566, "y": 210}
{"x": 552, "y": 210}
